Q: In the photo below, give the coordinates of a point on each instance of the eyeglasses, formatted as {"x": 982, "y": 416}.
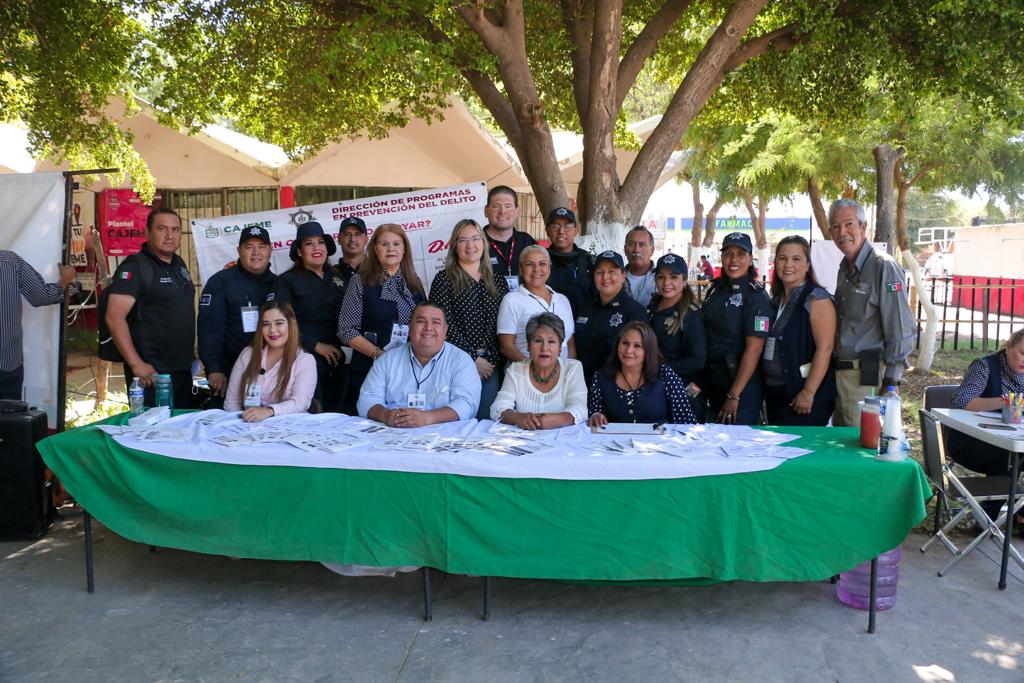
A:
{"x": 463, "y": 241}
{"x": 562, "y": 227}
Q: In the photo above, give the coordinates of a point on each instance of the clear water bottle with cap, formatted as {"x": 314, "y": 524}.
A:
{"x": 164, "y": 395}
{"x": 136, "y": 402}
{"x": 854, "y": 587}
{"x": 892, "y": 444}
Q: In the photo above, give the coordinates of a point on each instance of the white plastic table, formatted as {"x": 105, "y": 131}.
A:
{"x": 973, "y": 424}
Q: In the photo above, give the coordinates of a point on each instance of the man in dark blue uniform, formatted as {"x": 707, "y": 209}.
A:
{"x": 600, "y": 318}
{"x": 229, "y": 306}
{"x": 737, "y": 316}
{"x": 352, "y": 239}
{"x": 571, "y": 271}
{"x": 151, "y": 311}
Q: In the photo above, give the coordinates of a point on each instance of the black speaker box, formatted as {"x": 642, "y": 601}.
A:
{"x": 26, "y": 507}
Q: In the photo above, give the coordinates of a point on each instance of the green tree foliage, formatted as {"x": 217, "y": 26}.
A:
{"x": 61, "y": 64}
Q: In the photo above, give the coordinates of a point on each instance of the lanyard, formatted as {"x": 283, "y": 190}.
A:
{"x": 511, "y": 250}
{"x": 549, "y": 309}
{"x": 415, "y": 374}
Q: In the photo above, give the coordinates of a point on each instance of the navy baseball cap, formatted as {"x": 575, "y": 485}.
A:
{"x": 738, "y": 239}
{"x": 254, "y": 232}
{"x": 561, "y": 212}
{"x": 307, "y": 230}
{"x": 353, "y": 220}
{"x": 674, "y": 262}
{"x": 612, "y": 256}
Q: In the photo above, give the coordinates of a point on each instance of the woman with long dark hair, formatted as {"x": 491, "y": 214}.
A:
{"x": 636, "y": 385}
{"x": 469, "y": 294}
{"x": 800, "y": 384}
{"x": 378, "y": 304}
{"x": 273, "y": 375}
{"x": 737, "y": 316}
{"x": 675, "y": 316}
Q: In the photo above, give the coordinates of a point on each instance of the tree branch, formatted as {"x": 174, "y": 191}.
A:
{"x": 644, "y": 45}
{"x": 779, "y": 40}
{"x": 578, "y": 17}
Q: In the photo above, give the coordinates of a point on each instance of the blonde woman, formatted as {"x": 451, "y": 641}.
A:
{"x": 469, "y": 294}
{"x": 378, "y": 303}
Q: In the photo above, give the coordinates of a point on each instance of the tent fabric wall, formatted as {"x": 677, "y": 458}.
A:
{"x": 32, "y": 205}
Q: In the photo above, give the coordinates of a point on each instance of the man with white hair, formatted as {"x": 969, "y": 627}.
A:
{"x": 876, "y": 328}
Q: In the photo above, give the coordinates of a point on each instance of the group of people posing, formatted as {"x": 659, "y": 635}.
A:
{"x": 516, "y": 332}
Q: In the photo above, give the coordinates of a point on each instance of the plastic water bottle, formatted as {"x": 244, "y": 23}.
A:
{"x": 854, "y": 587}
{"x": 893, "y": 444}
{"x": 163, "y": 391}
{"x": 135, "y": 398}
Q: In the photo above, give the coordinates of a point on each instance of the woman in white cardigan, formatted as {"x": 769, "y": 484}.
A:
{"x": 543, "y": 391}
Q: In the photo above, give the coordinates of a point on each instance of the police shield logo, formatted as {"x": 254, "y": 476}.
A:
{"x": 615, "y": 320}
{"x": 735, "y": 300}
{"x": 300, "y": 217}
{"x": 670, "y": 258}
{"x": 212, "y": 233}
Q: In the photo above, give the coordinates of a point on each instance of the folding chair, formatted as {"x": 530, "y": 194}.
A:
{"x": 968, "y": 492}
{"x": 939, "y": 396}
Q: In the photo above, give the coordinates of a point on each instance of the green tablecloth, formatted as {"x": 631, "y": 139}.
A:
{"x": 808, "y": 519}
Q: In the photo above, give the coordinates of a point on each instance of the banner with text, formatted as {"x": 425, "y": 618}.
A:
{"x": 427, "y": 216}
{"x": 122, "y": 221}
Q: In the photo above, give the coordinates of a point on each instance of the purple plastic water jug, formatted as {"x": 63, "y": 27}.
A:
{"x": 854, "y": 587}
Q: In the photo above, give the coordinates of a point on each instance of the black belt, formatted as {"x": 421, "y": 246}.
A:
{"x": 846, "y": 364}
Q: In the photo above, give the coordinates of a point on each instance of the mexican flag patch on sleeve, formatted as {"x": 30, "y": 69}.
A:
{"x": 126, "y": 275}
{"x": 760, "y": 323}
{"x": 894, "y": 287}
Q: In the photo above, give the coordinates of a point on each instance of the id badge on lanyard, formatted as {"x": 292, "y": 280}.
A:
{"x": 253, "y": 395}
{"x": 250, "y": 318}
{"x": 513, "y": 282}
{"x": 399, "y": 335}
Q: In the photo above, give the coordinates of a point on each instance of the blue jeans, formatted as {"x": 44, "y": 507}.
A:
{"x": 488, "y": 391}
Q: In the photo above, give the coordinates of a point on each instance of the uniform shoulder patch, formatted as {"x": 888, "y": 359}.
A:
{"x": 761, "y": 323}
{"x": 205, "y": 299}
{"x": 893, "y": 287}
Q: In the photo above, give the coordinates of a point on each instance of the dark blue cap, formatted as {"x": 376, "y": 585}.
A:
{"x": 561, "y": 212}
{"x": 307, "y": 230}
{"x": 673, "y": 262}
{"x": 254, "y": 232}
{"x": 353, "y": 220}
{"x": 612, "y": 256}
{"x": 738, "y": 239}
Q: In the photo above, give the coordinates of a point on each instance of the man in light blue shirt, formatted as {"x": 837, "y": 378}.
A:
{"x": 424, "y": 381}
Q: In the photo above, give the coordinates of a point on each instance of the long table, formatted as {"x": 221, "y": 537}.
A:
{"x": 808, "y": 519}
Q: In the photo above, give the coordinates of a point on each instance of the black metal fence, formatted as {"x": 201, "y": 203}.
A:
{"x": 974, "y": 313}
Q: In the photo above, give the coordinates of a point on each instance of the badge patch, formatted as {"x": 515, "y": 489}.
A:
{"x": 205, "y": 299}
{"x": 894, "y": 287}
{"x": 126, "y": 275}
{"x": 615, "y": 320}
{"x": 760, "y": 323}
{"x": 735, "y": 300}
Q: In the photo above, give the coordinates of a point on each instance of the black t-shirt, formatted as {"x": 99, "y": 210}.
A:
{"x": 505, "y": 255}
{"x": 316, "y": 301}
{"x": 598, "y": 326}
{"x": 732, "y": 312}
{"x": 163, "y": 321}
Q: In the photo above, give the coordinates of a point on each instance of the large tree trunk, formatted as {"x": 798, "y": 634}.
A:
{"x": 698, "y": 214}
{"x": 818, "y": 208}
{"x": 886, "y": 159}
{"x": 761, "y": 239}
{"x": 709, "y": 221}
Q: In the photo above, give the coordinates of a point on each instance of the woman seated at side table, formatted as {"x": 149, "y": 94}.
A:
{"x": 273, "y": 375}
{"x": 636, "y": 386}
{"x": 986, "y": 381}
{"x": 543, "y": 391}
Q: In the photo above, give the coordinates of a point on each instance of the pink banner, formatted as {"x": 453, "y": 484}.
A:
{"x": 122, "y": 222}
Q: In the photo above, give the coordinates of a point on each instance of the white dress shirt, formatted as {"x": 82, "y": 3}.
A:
{"x": 569, "y": 395}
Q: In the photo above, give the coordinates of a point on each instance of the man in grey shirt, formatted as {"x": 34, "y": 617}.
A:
{"x": 875, "y": 331}
{"x": 19, "y": 279}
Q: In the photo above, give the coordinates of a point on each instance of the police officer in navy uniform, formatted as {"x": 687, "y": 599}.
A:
{"x": 737, "y": 316}
{"x": 600, "y": 318}
{"x": 229, "y": 307}
{"x": 315, "y": 292}
{"x": 352, "y": 238}
{"x": 571, "y": 269}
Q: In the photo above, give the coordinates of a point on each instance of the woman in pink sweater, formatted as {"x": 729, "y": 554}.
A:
{"x": 273, "y": 375}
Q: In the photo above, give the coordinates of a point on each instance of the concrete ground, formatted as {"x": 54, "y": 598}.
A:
{"x": 180, "y": 616}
